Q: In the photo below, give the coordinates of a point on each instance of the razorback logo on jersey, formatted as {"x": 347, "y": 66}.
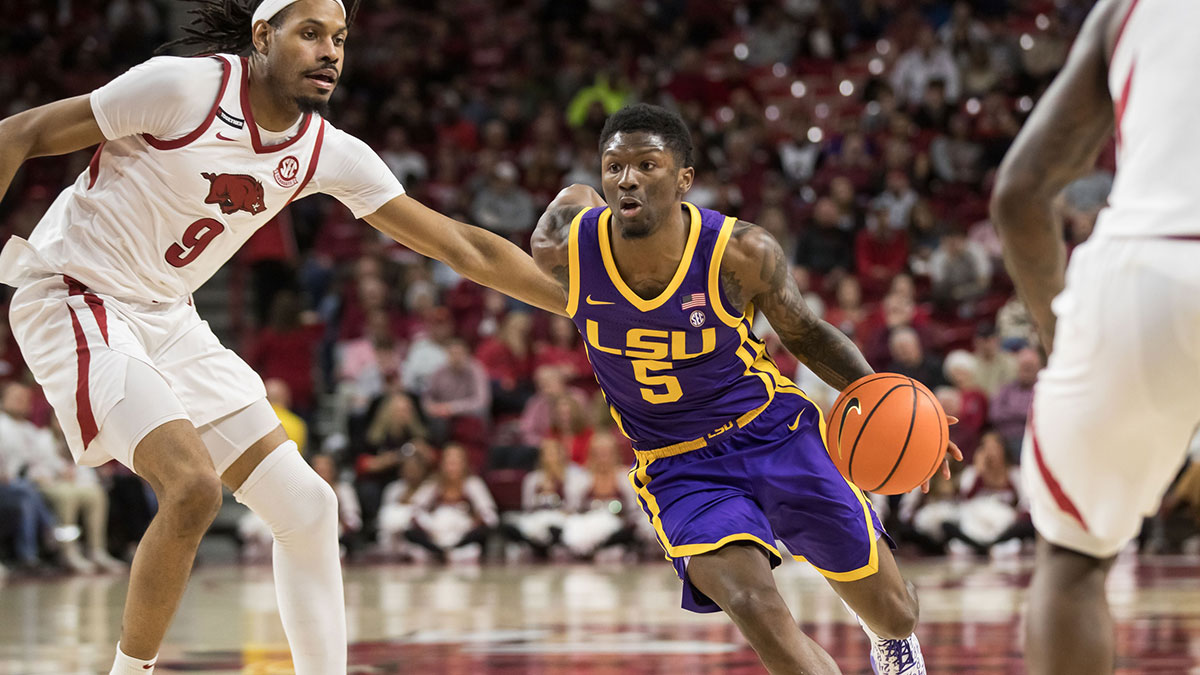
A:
{"x": 235, "y": 192}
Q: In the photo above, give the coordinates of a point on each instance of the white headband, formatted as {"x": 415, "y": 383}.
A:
{"x": 269, "y": 8}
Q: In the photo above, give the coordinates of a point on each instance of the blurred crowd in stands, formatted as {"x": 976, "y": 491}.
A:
{"x": 456, "y": 424}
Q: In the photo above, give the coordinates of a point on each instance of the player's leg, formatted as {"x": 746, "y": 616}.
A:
{"x": 173, "y": 460}
{"x": 1068, "y": 590}
{"x": 829, "y": 523}
{"x": 1111, "y": 418}
{"x": 738, "y": 578}
{"x": 266, "y": 472}
{"x": 274, "y": 481}
{"x": 886, "y": 607}
{"x": 93, "y": 369}
{"x": 883, "y": 601}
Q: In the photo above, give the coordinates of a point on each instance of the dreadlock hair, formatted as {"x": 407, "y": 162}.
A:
{"x": 224, "y": 26}
{"x": 653, "y": 119}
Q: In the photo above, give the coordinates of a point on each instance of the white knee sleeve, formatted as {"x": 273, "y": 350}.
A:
{"x": 302, "y": 512}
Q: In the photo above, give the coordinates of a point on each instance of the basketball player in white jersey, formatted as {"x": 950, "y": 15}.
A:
{"x": 196, "y": 154}
{"x": 1117, "y": 403}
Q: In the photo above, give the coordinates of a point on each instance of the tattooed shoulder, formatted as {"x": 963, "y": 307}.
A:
{"x": 550, "y": 242}
{"x": 734, "y": 268}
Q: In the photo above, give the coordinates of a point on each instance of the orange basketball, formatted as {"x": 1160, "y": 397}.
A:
{"x": 887, "y": 433}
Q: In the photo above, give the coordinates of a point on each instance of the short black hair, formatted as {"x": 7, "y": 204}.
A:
{"x": 655, "y": 120}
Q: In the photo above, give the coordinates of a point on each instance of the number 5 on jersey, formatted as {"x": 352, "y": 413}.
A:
{"x": 642, "y": 370}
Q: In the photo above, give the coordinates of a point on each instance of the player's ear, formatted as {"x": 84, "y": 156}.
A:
{"x": 687, "y": 176}
{"x": 261, "y": 37}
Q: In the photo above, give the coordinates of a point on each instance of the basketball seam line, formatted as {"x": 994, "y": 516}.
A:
{"x": 912, "y": 418}
{"x": 861, "y": 429}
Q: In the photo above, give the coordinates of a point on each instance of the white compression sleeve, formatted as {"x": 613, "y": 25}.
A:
{"x": 302, "y": 511}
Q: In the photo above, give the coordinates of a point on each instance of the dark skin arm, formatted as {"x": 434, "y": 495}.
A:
{"x": 755, "y": 271}
{"x": 1058, "y": 143}
{"x": 56, "y": 128}
{"x": 473, "y": 252}
{"x": 549, "y": 243}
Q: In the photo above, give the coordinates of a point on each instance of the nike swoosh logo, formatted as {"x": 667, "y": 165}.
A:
{"x": 590, "y": 301}
{"x": 854, "y": 405}
{"x": 224, "y": 138}
{"x": 795, "y": 424}
{"x": 148, "y": 666}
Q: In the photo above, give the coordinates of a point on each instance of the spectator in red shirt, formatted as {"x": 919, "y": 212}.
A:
{"x": 569, "y": 426}
{"x": 959, "y": 369}
{"x": 849, "y": 314}
{"x": 508, "y": 361}
{"x": 880, "y": 253}
{"x": 286, "y": 348}
{"x": 566, "y": 350}
{"x": 537, "y": 417}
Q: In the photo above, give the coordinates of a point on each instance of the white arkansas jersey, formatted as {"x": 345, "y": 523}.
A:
{"x": 1155, "y": 87}
{"x": 154, "y": 219}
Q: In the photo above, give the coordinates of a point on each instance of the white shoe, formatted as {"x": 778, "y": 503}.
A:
{"x": 107, "y": 563}
{"x": 74, "y": 561}
{"x": 467, "y": 555}
{"x": 898, "y": 657}
{"x": 1006, "y": 549}
{"x": 959, "y": 549}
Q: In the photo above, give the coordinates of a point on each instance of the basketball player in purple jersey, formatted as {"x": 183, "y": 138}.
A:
{"x": 730, "y": 453}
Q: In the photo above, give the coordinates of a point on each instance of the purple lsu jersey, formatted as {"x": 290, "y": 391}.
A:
{"x": 679, "y": 370}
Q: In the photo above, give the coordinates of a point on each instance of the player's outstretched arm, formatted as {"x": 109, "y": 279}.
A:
{"x": 473, "y": 252}
{"x": 549, "y": 243}
{"x": 755, "y": 270}
{"x": 1058, "y": 143}
{"x": 53, "y": 129}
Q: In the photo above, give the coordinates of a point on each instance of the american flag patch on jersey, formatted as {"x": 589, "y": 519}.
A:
{"x": 693, "y": 300}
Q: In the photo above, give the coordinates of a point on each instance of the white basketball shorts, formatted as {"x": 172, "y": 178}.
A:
{"x": 89, "y": 351}
{"x": 1117, "y": 404}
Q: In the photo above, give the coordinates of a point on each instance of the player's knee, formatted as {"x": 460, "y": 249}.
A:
{"x": 316, "y": 516}
{"x": 193, "y": 505}
{"x": 900, "y": 619}
{"x": 746, "y": 603}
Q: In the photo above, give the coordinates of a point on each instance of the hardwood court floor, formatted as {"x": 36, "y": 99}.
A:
{"x": 584, "y": 620}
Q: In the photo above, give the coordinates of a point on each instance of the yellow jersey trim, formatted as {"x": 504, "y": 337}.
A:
{"x": 714, "y": 274}
{"x": 643, "y": 476}
{"x": 697, "y": 549}
{"x": 872, "y": 565}
{"x": 610, "y": 265}
{"x": 573, "y": 265}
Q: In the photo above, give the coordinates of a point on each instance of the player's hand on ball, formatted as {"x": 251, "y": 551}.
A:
{"x": 951, "y": 450}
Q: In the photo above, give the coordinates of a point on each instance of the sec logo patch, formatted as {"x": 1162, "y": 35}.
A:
{"x": 288, "y": 171}
{"x": 697, "y": 318}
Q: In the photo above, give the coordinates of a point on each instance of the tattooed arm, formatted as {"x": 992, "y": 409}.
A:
{"x": 549, "y": 243}
{"x": 755, "y": 270}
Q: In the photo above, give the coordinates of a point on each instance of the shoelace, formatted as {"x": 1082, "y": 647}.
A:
{"x": 898, "y": 653}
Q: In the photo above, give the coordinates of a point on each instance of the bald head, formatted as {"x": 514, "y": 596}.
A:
{"x": 905, "y": 346}
{"x": 17, "y": 401}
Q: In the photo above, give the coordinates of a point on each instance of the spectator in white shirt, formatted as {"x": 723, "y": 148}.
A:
{"x": 924, "y": 62}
